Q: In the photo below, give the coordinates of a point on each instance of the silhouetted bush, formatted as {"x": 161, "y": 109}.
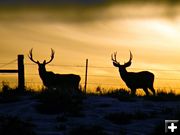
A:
{"x": 13, "y": 125}
{"x": 163, "y": 96}
{"x": 56, "y": 101}
{"x": 123, "y": 131}
{"x": 125, "y": 95}
{"x": 120, "y": 118}
{"x": 5, "y": 87}
{"x": 61, "y": 127}
{"x": 88, "y": 130}
{"x": 121, "y": 94}
{"x": 61, "y": 118}
{"x": 8, "y": 94}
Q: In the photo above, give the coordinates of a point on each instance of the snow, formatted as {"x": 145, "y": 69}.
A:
{"x": 95, "y": 108}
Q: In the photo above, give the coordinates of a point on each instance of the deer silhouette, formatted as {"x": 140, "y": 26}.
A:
{"x": 134, "y": 80}
{"x": 52, "y": 80}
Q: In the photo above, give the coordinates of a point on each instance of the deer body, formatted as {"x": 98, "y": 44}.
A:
{"x": 52, "y": 80}
{"x": 138, "y": 80}
{"x": 60, "y": 80}
{"x": 135, "y": 80}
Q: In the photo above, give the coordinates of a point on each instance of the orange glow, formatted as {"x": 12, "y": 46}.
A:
{"x": 153, "y": 40}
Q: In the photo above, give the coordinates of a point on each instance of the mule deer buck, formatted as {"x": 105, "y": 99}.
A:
{"x": 134, "y": 80}
{"x": 52, "y": 80}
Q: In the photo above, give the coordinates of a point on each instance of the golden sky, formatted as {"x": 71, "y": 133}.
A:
{"x": 150, "y": 31}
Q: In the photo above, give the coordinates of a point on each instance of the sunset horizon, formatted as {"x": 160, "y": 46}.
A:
{"x": 93, "y": 31}
{"x": 89, "y": 67}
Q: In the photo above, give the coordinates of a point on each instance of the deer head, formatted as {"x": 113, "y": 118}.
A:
{"x": 117, "y": 64}
{"x": 44, "y": 63}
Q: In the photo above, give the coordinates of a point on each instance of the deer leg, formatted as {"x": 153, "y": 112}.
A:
{"x": 153, "y": 90}
{"x": 146, "y": 91}
{"x": 133, "y": 92}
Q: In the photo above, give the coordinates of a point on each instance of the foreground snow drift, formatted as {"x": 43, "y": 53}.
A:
{"x": 137, "y": 117}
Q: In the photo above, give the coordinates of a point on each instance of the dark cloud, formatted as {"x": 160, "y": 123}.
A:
{"x": 82, "y": 2}
{"x": 22, "y": 2}
{"x": 79, "y": 10}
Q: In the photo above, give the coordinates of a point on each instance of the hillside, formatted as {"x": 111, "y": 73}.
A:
{"x": 99, "y": 115}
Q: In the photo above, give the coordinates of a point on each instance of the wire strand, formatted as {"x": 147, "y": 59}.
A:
{"x": 6, "y": 64}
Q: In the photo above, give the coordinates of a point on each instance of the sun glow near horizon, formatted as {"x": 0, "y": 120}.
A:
{"x": 154, "y": 42}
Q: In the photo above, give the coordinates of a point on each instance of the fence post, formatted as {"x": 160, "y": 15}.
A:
{"x": 86, "y": 72}
{"x": 21, "y": 80}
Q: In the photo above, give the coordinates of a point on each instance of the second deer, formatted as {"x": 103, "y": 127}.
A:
{"x": 134, "y": 80}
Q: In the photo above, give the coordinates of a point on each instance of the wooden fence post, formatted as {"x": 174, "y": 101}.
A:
{"x": 86, "y": 72}
{"x": 21, "y": 80}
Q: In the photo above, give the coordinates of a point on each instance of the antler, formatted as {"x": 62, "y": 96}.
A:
{"x": 31, "y": 57}
{"x": 52, "y": 57}
{"x": 113, "y": 58}
{"x": 127, "y": 64}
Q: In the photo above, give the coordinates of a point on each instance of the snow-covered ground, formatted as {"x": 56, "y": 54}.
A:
{"x": 94, "y": 110}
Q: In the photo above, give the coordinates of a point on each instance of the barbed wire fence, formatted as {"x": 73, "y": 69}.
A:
{"x": 93, "y": 80}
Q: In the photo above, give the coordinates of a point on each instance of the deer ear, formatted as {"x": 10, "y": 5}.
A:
{"x": 44, "y": 62}
{"x": 116, "y": 64}
{"x": 127, "y": 64}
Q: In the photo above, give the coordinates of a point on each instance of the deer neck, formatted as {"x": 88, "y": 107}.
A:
{"x": 42, "y": 72}
{"x": 123, "y": 74}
